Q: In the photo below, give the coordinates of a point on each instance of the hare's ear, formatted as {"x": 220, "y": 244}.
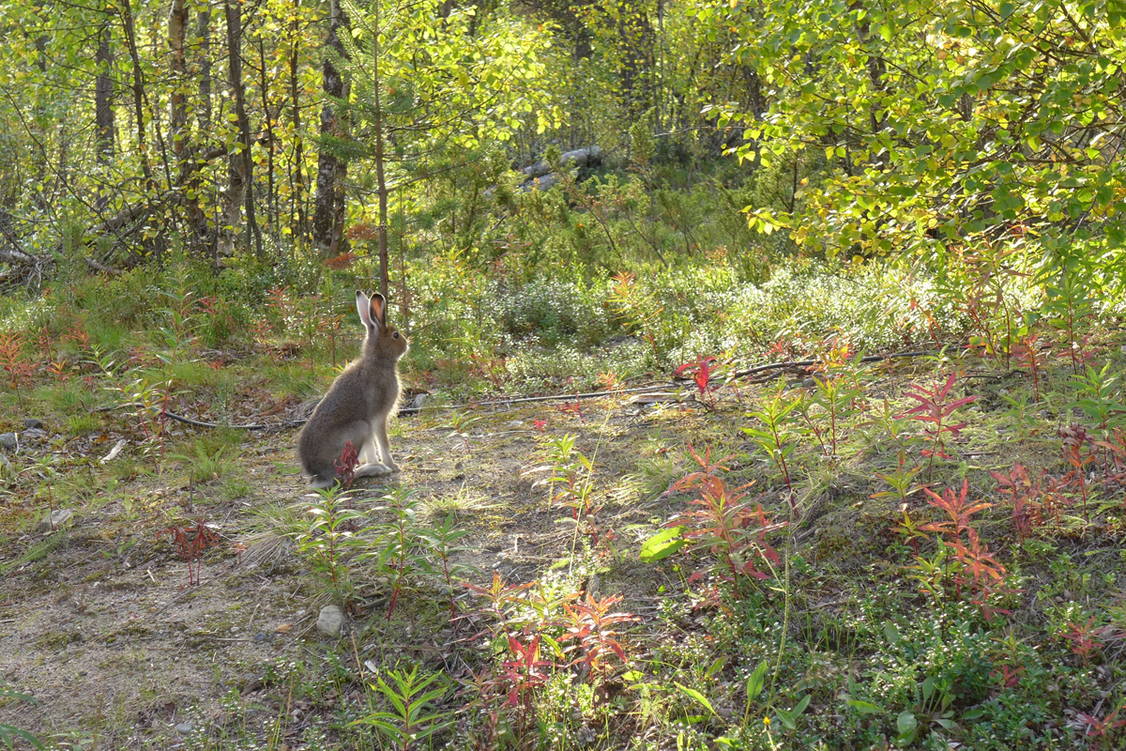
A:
{"x": 363, "y": 307}
{"x": 379, "y": 309}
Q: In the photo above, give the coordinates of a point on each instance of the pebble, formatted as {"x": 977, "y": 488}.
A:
{"x": 9, "y": 441}
{"x": 330, "y": 621}
{"x": 55, "y": 519}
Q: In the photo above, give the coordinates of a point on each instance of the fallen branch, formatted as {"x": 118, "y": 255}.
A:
{"x": 780, "y": 367}
{"x": 802, "y": 364}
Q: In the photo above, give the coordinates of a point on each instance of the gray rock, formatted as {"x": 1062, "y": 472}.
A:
{"x": 32, "y": 423}
{"x": 184, "y": 728}
{"x": 55, "y": 519}
{"x": 330, "y": 621}
{"x": 9, "y": 441}
{"x": 35, "y": 433}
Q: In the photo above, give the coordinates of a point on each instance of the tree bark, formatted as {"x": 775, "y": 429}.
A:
{"x": 187, "y": 168}
{"x": 269, "y": 140}
{"x": 328, "y": 213}
{"x": 297, "y": 188}
{"x": 138, "y": 89}
{"x": 380, "y": 174}
{"x": 103, "y": 108}
{"x": 239, "y": 166}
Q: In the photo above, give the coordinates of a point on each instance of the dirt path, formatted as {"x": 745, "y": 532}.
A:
{"x": 118, "y": 652}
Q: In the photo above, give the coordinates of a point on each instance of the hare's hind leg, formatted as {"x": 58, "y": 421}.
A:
{"x": 369, "y": 455}
{"x": 382, "y": 444}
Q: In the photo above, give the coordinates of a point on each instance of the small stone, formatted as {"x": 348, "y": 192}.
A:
{"x": 184, "y": 728}
{"x": 55, "y": 519}
{"x": 32, "y": 423}
{"x": 9, "y": 441}
{"x": 35, "y": 433}
{"x": 330, "y": 621}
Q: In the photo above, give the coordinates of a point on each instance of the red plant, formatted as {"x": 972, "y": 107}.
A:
{"x": 571, "y": 408}
{"x": 1075, "y": 438}
{"x": 12, "y": 361}
{"x": 500, "y": 597}
{"x": 979, "y": 570}
{"x": 190, "y": 543}
{"x": 525, "y": 672}
{"x": 720, "y": 519}
{"x": 540, "y": 425}
{"x": 592, "y": 627}
{"x": 1096, "y": 727}
{"x": 782, "y": 347}
{"x": 956, "y": 507}
{"x": 1086, "y": 638}
{"x": 346, "y": 464}
{"x": 1008, "y": 676}
{"x": 707, "y": 468}
{"x": 1023, "y": 491}
{"x": 703, "y": 373}
{"x": 59, "y": 369}
{"x": 1031, "y": 355}
{"x": 1114, "y": 447}
{"x": 933, "y": 410}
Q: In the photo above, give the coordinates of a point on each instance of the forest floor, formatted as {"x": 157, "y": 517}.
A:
{"x": 98, "y": 622}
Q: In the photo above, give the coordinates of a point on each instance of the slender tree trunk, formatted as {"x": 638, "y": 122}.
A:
{"x": 204, "y": 236}
{"x": 187, "y": 169}
{"x": 636, "y": 48}
{"x": 103, "y": 107}
{"x": 268, "y": 124}
{"x": 240, "y": 186}
{"x": 297, "y": 189}
{"x": 380, "y": 175}
{"x": 203, "y": 22}
{"x": 328, "y": 214}
{"x": 138, "y": 90}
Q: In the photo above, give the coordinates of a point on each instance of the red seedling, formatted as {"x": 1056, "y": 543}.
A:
{"x": 703, "y": 373}
{"x": 1030, "y": 354}
{"x": 525, "y": 672}
{"x": 934, "y": 410}
{"x": 956, "y": 507}
{"x": 1086, "y": 638}
{"x": 593, "y": 627}
{"x": 190, "y": 543}
{"x": 720, "y": 519}
{"x": 1099, "y": 727}
{"x": 346, "y": 465}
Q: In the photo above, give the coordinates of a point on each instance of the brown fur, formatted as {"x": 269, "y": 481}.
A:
{"x": 358, "y": 404}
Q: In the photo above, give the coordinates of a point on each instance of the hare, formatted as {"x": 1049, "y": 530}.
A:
{"x": 358, "y": 404}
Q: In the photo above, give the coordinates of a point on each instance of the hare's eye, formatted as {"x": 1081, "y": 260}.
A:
{"x": 395, "y": 335}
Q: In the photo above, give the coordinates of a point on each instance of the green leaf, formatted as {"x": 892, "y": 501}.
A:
{"x": 907, "y": 726}
{"x": 864, "y": 707}
{"x": 662, "y": 545}
{"x": 756, "y": 680}
{"x": 695, "y": 695}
